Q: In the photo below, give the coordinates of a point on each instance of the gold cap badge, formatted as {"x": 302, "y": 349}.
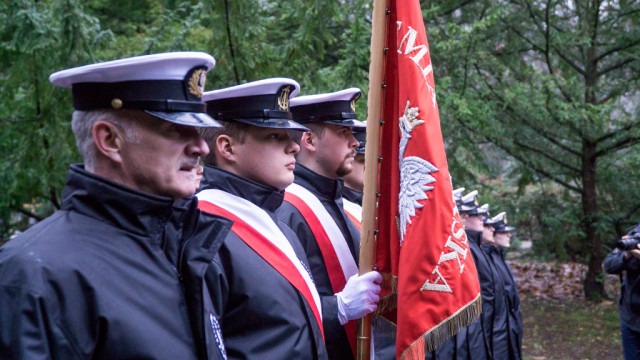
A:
{"x": 353, "y": 102}
{"x": 283, "y": 99}
{"x": 196, "y": 82}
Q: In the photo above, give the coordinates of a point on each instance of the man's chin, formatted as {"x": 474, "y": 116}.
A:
{"x": 344, "y": 171}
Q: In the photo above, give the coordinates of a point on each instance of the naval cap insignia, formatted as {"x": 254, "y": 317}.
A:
{"x": 353, "y": 102}
{"x": 283, "y": 99}
{"x": 196, "y": 82}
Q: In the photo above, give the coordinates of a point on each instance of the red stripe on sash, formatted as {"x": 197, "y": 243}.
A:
{"x": 334, "y": 269}
{"x": 355, "y": 221}
{"x": 269, "y": 252}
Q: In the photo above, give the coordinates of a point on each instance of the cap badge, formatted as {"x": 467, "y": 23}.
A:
{"x": 504, "y": 219}
{"x": 283, "y": 99}
{"x": 353, "y": 102}
{"x": 196, "y": 82}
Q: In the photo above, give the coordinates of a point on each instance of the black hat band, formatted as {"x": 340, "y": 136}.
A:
{"x": 321, "y": 118}
{"x": 264, "y": 114}
{"x": 154, "y": 95}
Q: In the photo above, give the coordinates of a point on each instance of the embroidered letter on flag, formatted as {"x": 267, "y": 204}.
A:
{"x": 422, "y": 249}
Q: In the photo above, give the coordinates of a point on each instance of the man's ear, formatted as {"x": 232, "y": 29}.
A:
{"x": 225, "y": 148}
{"x": 309, "y": 141}
{"x": 108, "y": 139}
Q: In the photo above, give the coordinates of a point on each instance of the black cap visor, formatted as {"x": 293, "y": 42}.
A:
{"x": 273, "y": 123}
{"x": 186, "y": 118}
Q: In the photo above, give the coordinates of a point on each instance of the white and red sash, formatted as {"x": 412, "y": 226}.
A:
{"x": 354, "y": 212}
{"x": 256, "y": 228}
{"x": 338, "y": 260}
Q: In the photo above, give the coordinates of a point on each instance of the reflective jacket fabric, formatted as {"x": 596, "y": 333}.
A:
{"x": 500, "y": 337}
{"x": 106, "y": 277}
{"x": 513, "y": 303}
{"x": 329, "y": 192}
{"x": 629, "y": 300}
{"x": 263, "y": 316}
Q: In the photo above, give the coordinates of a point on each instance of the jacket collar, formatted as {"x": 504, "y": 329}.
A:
{"x": 264, "y": 196}
{"x": 123, "y": 207}
{"x": 352, "y": 195}
{"x": 475, "y": 236}
{"x": 319, "y": 185}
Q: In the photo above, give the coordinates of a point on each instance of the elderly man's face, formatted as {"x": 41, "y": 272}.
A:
{"x": 164, "y": 157}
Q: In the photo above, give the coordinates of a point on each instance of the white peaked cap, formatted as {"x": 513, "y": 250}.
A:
{"x": 342, "y": 95}
{"x": 260, "y": 87}
{"x": 165, "y": 66}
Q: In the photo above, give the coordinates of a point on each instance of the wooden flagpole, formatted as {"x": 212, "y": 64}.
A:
{"x": 372, "y": 152}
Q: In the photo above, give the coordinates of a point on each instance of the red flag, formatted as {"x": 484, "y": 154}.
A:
{"x": 421, "y": 247}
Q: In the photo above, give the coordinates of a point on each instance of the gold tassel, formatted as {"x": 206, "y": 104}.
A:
{"x": 441, "y": 332}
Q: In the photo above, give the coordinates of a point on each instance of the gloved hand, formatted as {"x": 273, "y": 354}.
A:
{"x": 359, "y": 297}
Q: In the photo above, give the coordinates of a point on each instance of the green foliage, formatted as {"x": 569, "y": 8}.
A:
{"x": 322, "y": 44}
{"x": 553, "y": 87}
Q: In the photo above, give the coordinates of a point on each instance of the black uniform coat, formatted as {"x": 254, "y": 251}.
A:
{"x": 513, "y": 303}
{"x": 262, "y": 315}
{"x": 115, "y": 274}
{"x": 629, "y": 300}
{"x": 329, "y": 192}
{"x": 473, "y": 342}
{"x": 500, "y": 337}
{"x": 352, "y": 195}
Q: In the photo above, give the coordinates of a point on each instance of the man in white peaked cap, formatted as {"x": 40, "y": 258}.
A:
{"x": 313, "y": 208}
{"x": 117, "y": 272}
{"x": 268, "y": 304}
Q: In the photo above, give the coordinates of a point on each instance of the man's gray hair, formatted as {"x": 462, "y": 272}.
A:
{"x": 82, "y": 125}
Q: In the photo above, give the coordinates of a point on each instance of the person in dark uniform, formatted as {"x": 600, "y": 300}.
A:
{"x": 474, "y": 341}
{"x": 313, "y": 208}
{"x": 354, "y": 181}
{"x": 626, "y": 263}
{"x": 117, "y": 272}
{"x": 260, "y": 283}
{"x": 502, "y": 241}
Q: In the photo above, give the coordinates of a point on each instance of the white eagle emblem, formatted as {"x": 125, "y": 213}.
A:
{"x": 414, "y": 173}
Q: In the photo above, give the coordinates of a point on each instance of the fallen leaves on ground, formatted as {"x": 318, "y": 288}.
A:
{"x": 555, "y": 281}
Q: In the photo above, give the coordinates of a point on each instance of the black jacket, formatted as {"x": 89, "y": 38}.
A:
{"x": 263, "y": 316}
{"x": 500, "y": 336}
{"x": 352, "y": 195}
{"x": 514, "y": 319}
{"x": 474, "y": 341}
{"x": 629, "y": 300}
{"x": 115, "y": 274}
{"x": 329, "y": 192}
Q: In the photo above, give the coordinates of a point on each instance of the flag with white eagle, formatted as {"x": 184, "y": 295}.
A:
{"x": 430, "y": 287}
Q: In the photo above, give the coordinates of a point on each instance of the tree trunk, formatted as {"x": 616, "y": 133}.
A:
{"x": 593, "y": 285}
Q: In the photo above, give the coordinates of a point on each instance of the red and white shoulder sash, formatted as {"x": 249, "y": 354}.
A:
{"x": 337, "y": 257}
{"x": 354, "y": 211}
{"x": 314, "y": 212}
{"x": 258, "y": 230}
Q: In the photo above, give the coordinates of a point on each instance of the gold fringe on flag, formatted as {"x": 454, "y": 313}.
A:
{"x": 390, "y": 301}
{"x": 441, "y": 332}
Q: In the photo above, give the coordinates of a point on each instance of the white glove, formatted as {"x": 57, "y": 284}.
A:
{"x": 359, "y": 297}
